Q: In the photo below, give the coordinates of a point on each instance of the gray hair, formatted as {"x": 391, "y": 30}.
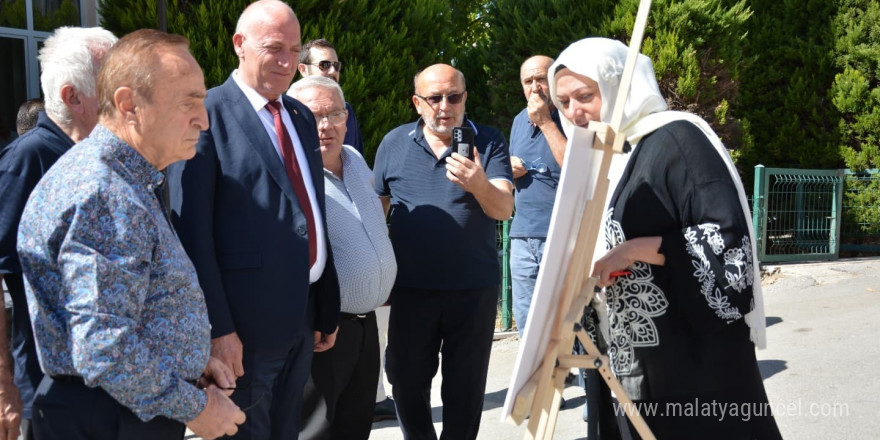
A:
{"x": 71, "y": 56}
{"x": 320, "y": 82}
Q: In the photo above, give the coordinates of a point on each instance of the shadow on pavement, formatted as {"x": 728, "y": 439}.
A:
{"x": 769, "y": 367}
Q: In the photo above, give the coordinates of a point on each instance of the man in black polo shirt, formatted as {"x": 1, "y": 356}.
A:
{"x": 443, "y": 231}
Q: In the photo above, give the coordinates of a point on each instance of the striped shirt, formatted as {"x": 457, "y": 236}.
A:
{"x": 362, "y": 251}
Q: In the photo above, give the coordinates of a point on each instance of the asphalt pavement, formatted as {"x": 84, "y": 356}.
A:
{"x": 819, "y": 368}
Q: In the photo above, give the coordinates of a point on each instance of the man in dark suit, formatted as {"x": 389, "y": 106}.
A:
{"x": 250, "y": 211}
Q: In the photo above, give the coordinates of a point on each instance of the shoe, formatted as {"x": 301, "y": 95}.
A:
{"x": 384, "y": 410}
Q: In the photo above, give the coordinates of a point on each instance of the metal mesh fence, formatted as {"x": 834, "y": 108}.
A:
{"x": 800, "y": 214}
{"x": 860, "y": 228}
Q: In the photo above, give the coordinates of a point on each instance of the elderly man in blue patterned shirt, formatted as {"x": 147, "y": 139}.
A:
{"x": 340, "y": 394}
{"x": 120, "y": 322}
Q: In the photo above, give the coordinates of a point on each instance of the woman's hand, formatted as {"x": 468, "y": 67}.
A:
{"x": 645, "y": 249}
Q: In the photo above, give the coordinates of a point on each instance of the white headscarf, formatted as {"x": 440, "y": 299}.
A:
{"x": 602, "y": 60}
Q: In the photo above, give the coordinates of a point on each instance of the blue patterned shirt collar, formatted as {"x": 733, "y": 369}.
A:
{"x": 143, "y": 172}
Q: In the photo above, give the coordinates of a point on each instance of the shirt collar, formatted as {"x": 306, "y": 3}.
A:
{"x": 44, "y": 121}
{"x": 258, "y": 102}
{"x": 142, "y": 171}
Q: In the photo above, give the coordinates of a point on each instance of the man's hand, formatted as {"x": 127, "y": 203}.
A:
{"x": 218, "y": 374}
{"x": 539, "y": 109}
{"x": 220, "y": 416}
{"x": 228, "y": 349}
{"x": 518, "y": 166}
{"x": 467, "y": 174}
{"x": 10, "y": 408}
{"x": 324, "y": 341}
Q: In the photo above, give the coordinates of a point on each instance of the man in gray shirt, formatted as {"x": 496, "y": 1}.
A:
{"x": 339, "y": 396}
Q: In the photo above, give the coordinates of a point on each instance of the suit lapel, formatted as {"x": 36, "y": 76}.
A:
{"x": 252, "y": 130}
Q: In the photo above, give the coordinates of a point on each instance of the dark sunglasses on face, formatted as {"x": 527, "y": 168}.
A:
{"x": 454, "y": 98}
{"x": 325, "y": 65}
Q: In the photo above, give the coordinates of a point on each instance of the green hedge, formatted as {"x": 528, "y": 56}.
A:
{"x": 784, "y": 82}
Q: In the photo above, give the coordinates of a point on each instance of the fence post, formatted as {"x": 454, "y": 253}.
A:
{"x": 837, "y": 212}
{"x": 758, "y": 208}
{"x": 506, "y": 288}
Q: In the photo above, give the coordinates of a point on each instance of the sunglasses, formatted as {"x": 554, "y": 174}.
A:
{"x": 452, "y": 99}
{"x": 325, "y": 65}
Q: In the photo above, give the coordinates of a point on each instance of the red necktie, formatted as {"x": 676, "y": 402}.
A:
{"x": 296, "y": 179}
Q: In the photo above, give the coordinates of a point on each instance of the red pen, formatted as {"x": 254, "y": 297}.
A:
{"x": 620, "y": 273}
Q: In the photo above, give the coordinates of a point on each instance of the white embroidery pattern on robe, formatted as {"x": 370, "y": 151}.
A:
{"x": 738, "y": 270}
{"x": 633, "y": 302}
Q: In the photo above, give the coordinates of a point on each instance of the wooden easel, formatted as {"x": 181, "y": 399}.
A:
{"x": 540, "y": 397}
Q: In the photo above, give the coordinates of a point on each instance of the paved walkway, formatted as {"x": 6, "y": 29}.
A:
{"x": 820, "y": 367}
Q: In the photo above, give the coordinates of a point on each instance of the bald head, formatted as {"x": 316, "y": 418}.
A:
{"x": 533, "y": 76}
{"x": 262, "y": 11}
{"x": 442, "y": 72}
{"x": 267, "y": 42}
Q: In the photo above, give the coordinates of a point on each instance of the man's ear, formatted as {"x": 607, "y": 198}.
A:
{"x": 123, "y": 100}
{"x": 415, "y": 100}
{"x": 237, "y": 41}
{"x": 70, "y": 97}
{"x": 302, "y": 69}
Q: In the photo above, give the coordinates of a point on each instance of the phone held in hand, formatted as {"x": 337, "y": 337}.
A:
{"x": 463, "y": 141}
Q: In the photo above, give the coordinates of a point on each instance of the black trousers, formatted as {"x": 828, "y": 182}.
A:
{"x": 270, "y": 392}
{"x": 456, "y": 325}
{"x": 69, "y": 410}
{"x": 340, "y": 394}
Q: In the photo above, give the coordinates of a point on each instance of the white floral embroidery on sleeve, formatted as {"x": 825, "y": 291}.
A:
{"x": 737, "y": 267}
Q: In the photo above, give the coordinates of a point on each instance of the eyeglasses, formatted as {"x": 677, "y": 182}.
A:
{"x": 536, "y": 166}
{"x": 337, "y": 118}
{"x": 325, "y": 65}
{"x": 435, "y": 100}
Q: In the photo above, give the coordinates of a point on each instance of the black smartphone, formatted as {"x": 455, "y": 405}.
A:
{"x": 463, "y": 141}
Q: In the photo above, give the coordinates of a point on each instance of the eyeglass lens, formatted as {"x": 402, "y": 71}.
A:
{"x": 451, "y": 99}
{"x": 325, "y": 65}
{"x": 539, "y": 167}
{"x": 337, "y": 118}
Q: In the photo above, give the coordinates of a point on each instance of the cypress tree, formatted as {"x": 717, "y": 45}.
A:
{"x": 789, "y": 118}
{"x": 856, "y": 88}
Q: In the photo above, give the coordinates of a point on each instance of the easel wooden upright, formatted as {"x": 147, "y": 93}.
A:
{"x": 540, "y": 396}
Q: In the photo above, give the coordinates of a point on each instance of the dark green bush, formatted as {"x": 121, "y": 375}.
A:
{"x": 789, "y": 118}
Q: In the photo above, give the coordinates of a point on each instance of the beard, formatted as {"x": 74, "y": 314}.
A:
{"x": 434, "y": 125}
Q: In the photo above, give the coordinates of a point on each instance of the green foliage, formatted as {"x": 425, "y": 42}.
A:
{"x": 695, "y": 46}
{"x": 856, "y": 95}
{"x": 382, "y": 45}
{"x": 856, "y": 89}
{"x": 516, "y": 30}
{"x": 67, "y": 14}
{"x": 13, "y": 14}
{"x": 791, "y": 120}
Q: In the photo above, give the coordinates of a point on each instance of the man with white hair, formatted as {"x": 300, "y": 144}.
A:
{"x": 339, "y": 396}
{"x": 69, "y": 60}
